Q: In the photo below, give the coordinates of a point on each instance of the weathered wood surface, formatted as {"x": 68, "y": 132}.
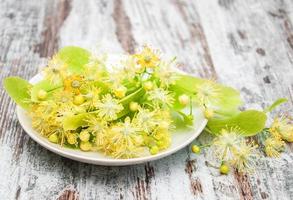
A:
{"x": 246, "y": 44}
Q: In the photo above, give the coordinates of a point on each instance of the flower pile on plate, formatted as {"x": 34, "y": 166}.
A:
{"x": 128, "y": 110}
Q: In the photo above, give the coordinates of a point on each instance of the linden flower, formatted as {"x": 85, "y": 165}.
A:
{"x": 273, "y": 146}
{"x": 224, "y": 145}
{"x": 92, "y": 74}
{"x": 158, "y": 135}
{"x": 159, "y": 96}
{"x": 55, "y": 71}
{"x": 127, "y": 151}
{"x": 147, "y": 58}
{"x": 68, "y": 109}
{"x": 130, "y": 68}
{"x": 96, "y": 60}
{"x": 62, "y": 97}
{"x": 166, "y": 74}
{"x": 207, "y": 93}
{"x": 108, "y": 107}
{"x": 162, "y": 135}
{"x": 126, "y": 139}
{"x": 245, "y": 157}
{"x": 146, "y": 120}
{"x": 98, "y": 128}
{"x": 114, "y": 79}
{"x": 282, "y": 127}
{"x": 95, "y": 68}
{"x": 91, "y": 94}
{"x": 44, "y": 118}
{"x": 163, "y": 120}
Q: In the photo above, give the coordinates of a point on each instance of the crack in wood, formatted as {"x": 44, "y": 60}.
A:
{"x": 142, "y": 189}
{"x": 226, "y": 3}
{"x": 264, "y": 195}
{"x": 52, "y": 25}
{"x": 20, "y": 144}
{"x": 237, "y": 47}
{"x": 68, "y": 193}
{"x": 195, "y": 184}
{"x": 197, "y": 34}
{"x": 283, "y": 15}
{"x": 244, "y": 186}
{"x": 17, "y": 194}
{"x": 149, "y": 174}
{"x": 123, "y": 27}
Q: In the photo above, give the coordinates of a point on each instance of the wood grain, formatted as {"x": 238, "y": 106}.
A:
{"x": 123, "y": 27}
{"x": 55, "y": 16}
{"x": 245, "y": 44}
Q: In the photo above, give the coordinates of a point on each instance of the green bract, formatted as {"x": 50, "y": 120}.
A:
{"x": 75, "y": 121}
{"x": 42, "y": 85}
{"x": 18, "y": 90}
{"x": 249, "y": 122}
{"x": 228, "y": 99}
{"x": 75, "y": 57}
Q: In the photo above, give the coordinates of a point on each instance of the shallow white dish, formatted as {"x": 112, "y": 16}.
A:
{"x": 180, "y": 139}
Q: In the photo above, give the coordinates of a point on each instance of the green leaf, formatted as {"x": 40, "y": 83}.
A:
{"x": 75, "y": 121}
{"x": 42, "y": 85}
{"x": 275, "y": 104}
{"x": 250, "y": 122}
{"x": 227, "y": 102}
{"x": 75, "y": 57}
{"x": 18, "y": 90}
{"x": 187, "y": 83}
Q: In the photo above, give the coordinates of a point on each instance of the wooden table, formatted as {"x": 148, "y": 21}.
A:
{"x": 245, "y": 44}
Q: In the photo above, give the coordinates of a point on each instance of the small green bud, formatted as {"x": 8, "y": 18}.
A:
{"x": 120, "y": 91}
{"x": 195, "y": 149}
{"x": 84, "y": 136}
{"x": 71, "y": 138}
{"x": 224, "y": 169}
{"x": 53, "y": 138}
{"x": 42, "y": 95}
{"x": 133, "y": 106}
{"x": 208, "y": 113}
{"x": 85, "y": 146}
{"x": 78, "y": 100}
{"x": 183, "y": 99}
{"x": 154, "y": 150}
{"x": 148, "y": 85}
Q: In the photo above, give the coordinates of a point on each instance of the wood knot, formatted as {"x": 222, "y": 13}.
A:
{"x": 261, "y": 51}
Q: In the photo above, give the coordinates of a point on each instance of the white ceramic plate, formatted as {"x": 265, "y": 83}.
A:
{"x": 180, "y": 139}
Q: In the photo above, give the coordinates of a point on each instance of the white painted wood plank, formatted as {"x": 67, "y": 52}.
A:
{"x": 246, "y": 44}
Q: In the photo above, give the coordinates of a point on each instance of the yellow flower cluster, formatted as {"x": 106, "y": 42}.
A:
{"x": 231, "y": 148}
{"x": 123, "y": 114}
{"x": 283, "y": 128}
{"x": 280, "y": 131}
